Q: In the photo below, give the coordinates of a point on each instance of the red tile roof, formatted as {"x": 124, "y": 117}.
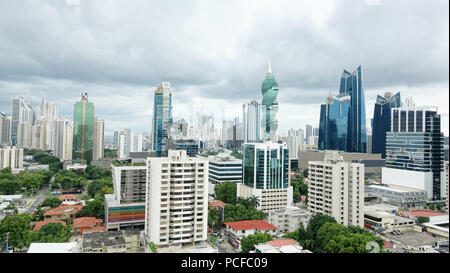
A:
{"x": 282, "y": 242}
{"x": 424, "y": 213}
{"x": 250, "y": 224}
{"x": 67, "y": 197}
{"x": 86, "y": 222}
{"x": 62, "y": 208}
{"x": 217, "y": 203}
{"x": 40, "y": 224}
{"x": 387, "y": 245}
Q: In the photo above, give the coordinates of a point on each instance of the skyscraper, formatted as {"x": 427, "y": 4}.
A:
{"x": 83, "y": 130}
{"x": 295, "y": 142}
{"x": 252, "y": 121}
{"x": 98, "y": 139}
{"x": 382, "y": 121}
{"x": 352, "y": 85}
{"x": 269, "y": 122}
{"x": 345, "y": 111}
{"x": 415, "y": 151}
{"x": 5, "y": 128}
{"x": 48, "y": 111}
{"x": 22, "y": 112}
{"x": 162, "y": 118}
{"x": 308, "y": 133}
{"x": 333, "y": 128}
{"x": 62, "y": 139}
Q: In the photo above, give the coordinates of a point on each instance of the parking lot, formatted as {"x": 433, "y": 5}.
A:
{"x": 414, "y": 238}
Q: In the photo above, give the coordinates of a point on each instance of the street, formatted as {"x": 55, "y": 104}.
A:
{"x": 40, "y": 198}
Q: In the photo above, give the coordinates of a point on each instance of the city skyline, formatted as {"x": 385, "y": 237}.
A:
{"x": 217, "y": 77}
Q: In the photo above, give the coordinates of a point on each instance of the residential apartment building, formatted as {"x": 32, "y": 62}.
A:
{"x": 11, "y": 157}
{"x": 98, "y": 139}
{"x": 176, "y": 211}
{"x": 289, "y": 218}
{"x": 336, "y": 188}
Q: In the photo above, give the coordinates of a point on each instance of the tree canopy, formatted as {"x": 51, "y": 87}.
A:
{"x": 226, "y": 192}
{"x": 248, "y": 242}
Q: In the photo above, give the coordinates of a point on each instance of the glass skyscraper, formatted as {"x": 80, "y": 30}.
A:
{"x": 83, "y": 130}
{"x": 382, "y": 121}
{"x": 345, "y": 112}
{"x": 269, "y": 105}
{"x": 333, "y": 125}
{"x": 252, "y": 121}
{"x": 162, "y": 118}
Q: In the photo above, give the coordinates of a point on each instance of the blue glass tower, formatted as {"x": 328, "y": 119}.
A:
{"x": 269, "y": 105}
{"x": 382, "y": 121}
{"x": 162, "y": 118}
{"x": 333, "y": 123}
{"x": 352, "y": 85}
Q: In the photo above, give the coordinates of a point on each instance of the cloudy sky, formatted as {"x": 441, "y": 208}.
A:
{"x": 215, "y": 54}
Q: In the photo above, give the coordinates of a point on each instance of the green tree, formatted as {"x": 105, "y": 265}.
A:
{"x": 94, "y": 208}
{"x": 97, "y": 185}
{"x": 248, "y": 242}
{"x": 106, "y": 190}
{"x": 226, "y": 192}
{"x": 422, "y": 219}
{"x": 305, "y": 173}
{"x": 239, "y": 212}
{"x": 19, "y": 229}
{"x": 316, "y": 222}
{"x": 52, "y": 202}
{"x": 213, "y": 219}
{"x": 153, "y": 247}
{"x": 253, "y": 201}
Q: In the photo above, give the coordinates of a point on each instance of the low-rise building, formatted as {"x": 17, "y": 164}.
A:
{"x": 112, "y": 241}
{"x": 84, "y": 224}
{"x": 223, "y": 168}
{"x": 289, "y": 218}
{"x": 403, "y": 197}
{"x": 71, "y": 247}
{"x": 280, "y": 246}
{"x": 62, "y": 212}
{"x": 381, "y": 217}
{"x": 235, "y": 231}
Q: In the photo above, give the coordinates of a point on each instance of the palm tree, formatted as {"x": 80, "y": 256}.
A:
{"x": 253, "y": 201}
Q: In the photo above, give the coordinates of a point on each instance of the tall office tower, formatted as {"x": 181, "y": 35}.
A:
{"x": 345, "y": 112}
{"x": 98, "y": 139}
{"x": 336, "y": 188}
{"x": 252, "y": 122}
{"x": 5, "y": 128}
{"x": 137, "y": 142}
{"x": 415, "y": 151}
{"x": 126, "y": 207}
{"x": 382, "y": 121}
{"x": 266, "y": 175}
{"x": 176, "y": 211}
{"x": 295, "y": 140}
{"x": 227, "y": 133}
{"x": 162, "y": 118}
{"x": 237, "y": 138}
{"x": 116, "y": 139}
{"x": 308, "y": 133}
{"x": 24, "y": 135}
{"x": 353, "y": 86}
{"x": 333, "y": 127}
{"x": 83, "y": 130}
{"x": 62, "y": 134}
{"x": 48, "y": 111}
{"x": 269, "y": 121}
{"x": 22, "y": 112}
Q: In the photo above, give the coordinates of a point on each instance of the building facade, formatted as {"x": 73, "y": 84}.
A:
{"x": 162, "y": 118}
{"x": 266, "y": 175}
{"x": 269, "y": 105}
{"x": 336, "y": 188}
{"x": 22, "y": 112}
{"x": 176, "y": 211}
{"x": 382, "y": 121}
{"x": 83, "y": 130}
{"x": 98, "y": 139}
{"x": 415, "y": 151}
{"x": 5, "y": 129}
{"x": 252, "y": 121}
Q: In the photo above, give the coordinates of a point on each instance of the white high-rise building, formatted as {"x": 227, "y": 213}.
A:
{"x": 176, "y": 209}
{"x": 308, "y": 134}
{"x": 122, "y": 144}
{"x": 252, "y": 121}
{"x": 98, "y": 139}
{"x": 48, "y": 111}
{"x": 227, "y": 132}
{"x": 22, "y": 112}
{"x": 24, "y": 135}
{"x": 11, "y": 157}
{"x": 5, "y": 128}
{"x": 62, "y": 139}
{"x": 137, "y": 142}
{"x": 295, "y": 142}
{"x": 336, "y": 188}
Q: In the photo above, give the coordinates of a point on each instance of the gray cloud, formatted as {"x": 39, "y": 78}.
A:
{"x": 216, "y": 52}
